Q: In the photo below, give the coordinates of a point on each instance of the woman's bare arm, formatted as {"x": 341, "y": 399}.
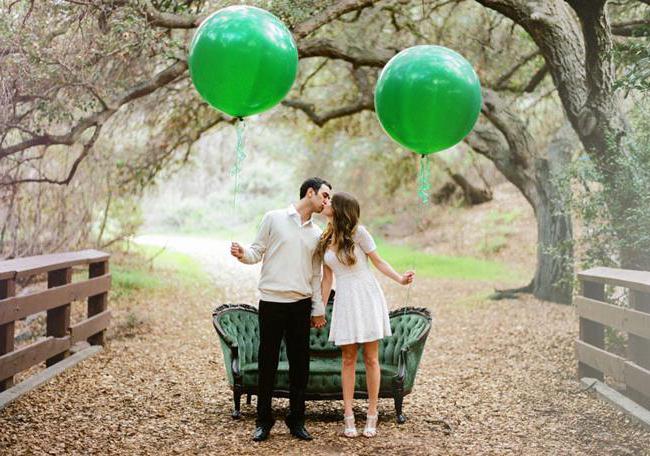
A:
{"x": 386, "y": 269}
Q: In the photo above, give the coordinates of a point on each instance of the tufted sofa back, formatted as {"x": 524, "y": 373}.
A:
{"x": 237, "y": 325}
{"x": 407, "y": 327}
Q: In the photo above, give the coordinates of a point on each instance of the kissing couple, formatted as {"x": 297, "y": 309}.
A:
{"x": 300, "y": 263}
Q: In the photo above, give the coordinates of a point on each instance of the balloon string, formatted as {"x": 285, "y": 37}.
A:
{"x": 240, "y": 155}
{"x": 424, "y": 177}
{"x": 424, "y": 187}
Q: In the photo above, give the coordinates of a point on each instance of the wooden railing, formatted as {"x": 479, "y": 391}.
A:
{"x": 595, "y": 314}
{"x": 56, "y": 300}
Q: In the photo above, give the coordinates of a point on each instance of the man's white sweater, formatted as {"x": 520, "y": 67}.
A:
{"x": 286, "y": 247}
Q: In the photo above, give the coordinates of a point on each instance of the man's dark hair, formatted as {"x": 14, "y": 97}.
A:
{"x": 313, "y": 182}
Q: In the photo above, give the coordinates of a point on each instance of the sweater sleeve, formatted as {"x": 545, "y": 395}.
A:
{"x": 317, "y": 306}
{"x": 254, "y": 253}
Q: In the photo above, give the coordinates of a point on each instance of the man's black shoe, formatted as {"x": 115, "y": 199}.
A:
{"x": 300, "y": 432}
{"x": 261, "y": 433}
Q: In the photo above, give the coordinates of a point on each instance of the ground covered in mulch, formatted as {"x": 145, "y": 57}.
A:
{"x": 496, "y": 378}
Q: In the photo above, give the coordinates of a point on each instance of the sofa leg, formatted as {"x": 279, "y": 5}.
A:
{"x": 236, "y": 414}
{"x": 398, "y": 396}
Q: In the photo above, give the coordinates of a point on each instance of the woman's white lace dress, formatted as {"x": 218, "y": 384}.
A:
{"x": 360, "y": 311}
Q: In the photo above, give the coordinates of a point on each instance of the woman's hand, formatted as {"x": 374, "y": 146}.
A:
{"x": 407, "y": 277}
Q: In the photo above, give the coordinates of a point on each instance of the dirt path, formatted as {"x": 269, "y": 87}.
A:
{"x": 501, "y": 374}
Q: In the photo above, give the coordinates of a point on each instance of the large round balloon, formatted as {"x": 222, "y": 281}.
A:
{"x": 243, "y": 60}
{"x": 428, "y": 98}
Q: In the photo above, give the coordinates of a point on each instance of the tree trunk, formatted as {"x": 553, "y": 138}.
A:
{"x": 513, "y": 151}
{"x": 553, "y": 276}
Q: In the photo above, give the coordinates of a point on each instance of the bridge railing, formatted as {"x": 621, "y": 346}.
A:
{"x": 632, "y": 318}
{"x": 56, "y": 300}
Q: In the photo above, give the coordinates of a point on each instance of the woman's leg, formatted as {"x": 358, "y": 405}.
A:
{"x": 373, "y": 374}
{"x": 348, "y": 366}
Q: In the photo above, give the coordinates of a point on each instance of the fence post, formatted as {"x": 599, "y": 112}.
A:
{"x": 97, "y": 303}
{"x": 58, "y": 319}
{"x": 7, "y": 290}
{"x": 592, "y": 332}
{"x": 639, "y": 347}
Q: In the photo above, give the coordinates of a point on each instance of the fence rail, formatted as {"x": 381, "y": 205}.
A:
{"x": 595, "y": 315}
{"x": 61, "y": 335}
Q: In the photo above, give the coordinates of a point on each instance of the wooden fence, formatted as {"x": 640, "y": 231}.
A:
{"x": 595, "y": 314}
{"x": 56, "y": 300}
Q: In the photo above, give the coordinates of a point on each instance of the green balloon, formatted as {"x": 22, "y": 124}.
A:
{"x": 428, "y": 98}
{"x": 243, "y": 60}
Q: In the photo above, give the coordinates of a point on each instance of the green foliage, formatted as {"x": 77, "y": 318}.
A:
{"x": 612, "y": 199}
{"x": 633, "y": 60}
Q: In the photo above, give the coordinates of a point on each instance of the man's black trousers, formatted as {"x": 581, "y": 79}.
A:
{"x": 290, "y": 320}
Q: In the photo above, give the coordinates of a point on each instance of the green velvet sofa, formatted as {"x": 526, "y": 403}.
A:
{"x": 399, "y": 356}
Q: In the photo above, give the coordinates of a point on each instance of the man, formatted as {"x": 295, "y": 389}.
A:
{"x": 291, "y": 302}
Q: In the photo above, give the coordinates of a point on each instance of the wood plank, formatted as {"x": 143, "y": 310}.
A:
{"x": 638, "y": 347}
{"x": 7, "y": 330}
{"x": 22, "y": 306}
{"x": 599, "y": 311}
{"x": 58, "y": 319}
{"x": 601, "y": 360}
{"x": 591, "y": 332}
{"x": 98, "y": 303}
{"x": 26, "y": 357}
{"x": 627, "y": 406}
{"x": 637, "y": 378}
{"x": 37, "y": 380}
{"x": 628, "y": 320}
{"x": 91, "y": 326}
{"x": 634, "y": 280}
{"x": 22, "y": 267}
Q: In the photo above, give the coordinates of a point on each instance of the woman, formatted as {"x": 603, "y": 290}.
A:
{"x": 360, "y": 314}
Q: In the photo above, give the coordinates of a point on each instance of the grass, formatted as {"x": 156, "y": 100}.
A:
{"x": 498, "y": 228}
{"x": 150, "y": 268}
{"x": 440, "y": 266}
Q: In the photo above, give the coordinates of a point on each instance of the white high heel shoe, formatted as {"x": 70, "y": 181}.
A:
{"x": 350, "y": 429}
{"x": 371, "y": 425}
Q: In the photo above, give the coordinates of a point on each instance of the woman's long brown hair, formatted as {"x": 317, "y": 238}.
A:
{"x": 345, "y": 218}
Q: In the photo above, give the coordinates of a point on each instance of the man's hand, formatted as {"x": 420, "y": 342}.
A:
{"x": 236, "y": 250}
{"x": 318, "y": 321}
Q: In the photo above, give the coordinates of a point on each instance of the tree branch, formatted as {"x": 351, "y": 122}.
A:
{"x": 328, "y": 48}
{"x": 322, "y": 119}
{"x": 73, "y": 169}
{"x": 170, "y": 20}
{"x": 501, "y": 82}
{"x": 99, "y": 118}
{"x": 639, "y": 28}
{"x": 537, "y": 79}
{"x": 552, "y": 25}
{"x": 328, "y": 15}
